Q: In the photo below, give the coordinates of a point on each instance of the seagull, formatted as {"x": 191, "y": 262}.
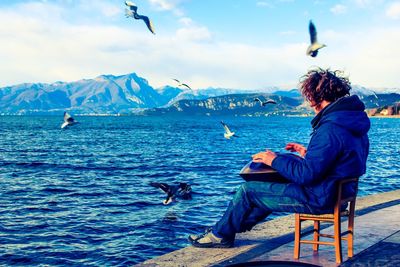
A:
{"x": 312, "y": 50}
{"x": 228, "y": 134}
{"x": 68, "y": 120}
{"x": 376, "y": 98}
{"x": 182, "y": 190}
{"x": 182, "y": 84}
{"x": 131, "y": 11}
{"x": 264, "y": 103}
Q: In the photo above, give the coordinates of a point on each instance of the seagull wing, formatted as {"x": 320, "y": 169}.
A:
{"x": 129, "y": 13}
{"x": 132, "y": 6}
{"x": 313, "y": 32}
{"x": 269, "y": 101}
{"x": 187, "y": 86}
{"x": 146, "y": 21}
{"x": 65, "y": 124}
{"x": 66, "y": 116}
{"x": 257, "y": 99}
{"x": 226, "y": 128}
{"x": 177, "y": 81}
{"x": 164, "y": 187}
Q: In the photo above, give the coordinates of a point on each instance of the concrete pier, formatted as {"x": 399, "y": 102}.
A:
{"x": 377, "y": 221}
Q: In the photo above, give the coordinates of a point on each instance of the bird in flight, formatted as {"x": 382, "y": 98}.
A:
{"x": 68, "y": 120}
{"x": 182, "y": 84}
{"x": 312, "y": 50}
{"x": 228, "y": 134}
{"x": 264, "y": 103}
{"x": 131, "y": 11}
{"x": 181, "y": 190}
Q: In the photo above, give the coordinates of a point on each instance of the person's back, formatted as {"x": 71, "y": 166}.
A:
{"x": 338, "y": 149}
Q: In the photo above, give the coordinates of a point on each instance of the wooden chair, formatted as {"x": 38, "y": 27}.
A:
{"x": 334, "y": 218}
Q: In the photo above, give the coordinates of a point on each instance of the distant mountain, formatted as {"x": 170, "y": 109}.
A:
{"x": 244, "y": 104}
{"x": 131, "y": 94}
{"x": 291, "y": 93}
{"x": 104, "y": 94}
{"x": 234, "y": 104}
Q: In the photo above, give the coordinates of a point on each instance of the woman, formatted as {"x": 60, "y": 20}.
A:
{"x": 338, "y": 149}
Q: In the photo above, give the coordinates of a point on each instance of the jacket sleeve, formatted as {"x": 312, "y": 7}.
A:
{"x": 322, "y": 152}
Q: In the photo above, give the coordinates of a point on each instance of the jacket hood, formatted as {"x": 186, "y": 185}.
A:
{"x": 346, "y": 112}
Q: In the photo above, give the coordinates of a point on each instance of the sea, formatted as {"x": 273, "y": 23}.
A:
{"x": 81, "y": 196}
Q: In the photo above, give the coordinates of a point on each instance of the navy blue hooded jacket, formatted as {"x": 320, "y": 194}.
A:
{"x": 338, "y": 149}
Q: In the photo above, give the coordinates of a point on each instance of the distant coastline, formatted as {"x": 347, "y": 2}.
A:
{"x": 206, "y": 115}
{"x": 385, "y": 116}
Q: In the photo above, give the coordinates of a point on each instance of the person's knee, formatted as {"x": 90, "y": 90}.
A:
{"x": 244, "y": 189}
{"x": 248, "y": 187}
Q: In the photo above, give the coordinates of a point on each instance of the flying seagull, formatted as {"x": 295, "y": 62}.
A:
{"x": 131, "y": 11}
{"x": 182, "y": 84}
{"x": 312, "y": 50}
{"x": 264, "y": 103}
{"x": 68, "y": 120}
{"x": 228, "y": 134}
{"x": 182, "y": 190}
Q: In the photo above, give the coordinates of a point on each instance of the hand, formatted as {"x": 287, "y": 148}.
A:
{"x": 294, "y": 147}
{"x": 264, "y": 157}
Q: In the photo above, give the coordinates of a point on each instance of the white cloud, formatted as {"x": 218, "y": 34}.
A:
{"x": 339, "y": 9}
{"x": 192, "y": 32}
{"x": 393, "y": 11}
{"x": 287, "y": 33}
{"x": 368, "y": 3}
{"x": 368, "y": 55}
{"x": 168, "y": 5}
{"x": 264, "y": 4}
{"x": 45, "y": 46}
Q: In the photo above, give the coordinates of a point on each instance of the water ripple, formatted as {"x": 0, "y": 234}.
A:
{"x": 80, "y": 197}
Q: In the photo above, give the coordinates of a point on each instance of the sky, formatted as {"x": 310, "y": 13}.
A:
{"x": 241, "y": 44}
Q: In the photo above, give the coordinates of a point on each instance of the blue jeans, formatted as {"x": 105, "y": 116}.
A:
{"x": 252, "y": 203}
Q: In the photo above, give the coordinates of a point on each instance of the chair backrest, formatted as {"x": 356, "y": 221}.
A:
{"x": 340, "y": 198}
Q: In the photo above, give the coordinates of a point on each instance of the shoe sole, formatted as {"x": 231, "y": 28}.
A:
{"x": 209, "y": 245}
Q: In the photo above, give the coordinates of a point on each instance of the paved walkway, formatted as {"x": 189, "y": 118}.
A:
{"x": 385, "y": 253}
{"x": 370, "y": 230}
{"x": 377, "y": 217}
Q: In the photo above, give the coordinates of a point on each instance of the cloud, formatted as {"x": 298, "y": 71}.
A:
{"x": 287, "y": 33}
{"x": 192, "y": 32}
{"x": 168, "y": 5}
{"x": 393, "y": 11}
{"x": 338, "y": 9}
{"x": 361, "y": 55}
{"x": 368, "y": 3}
{"x": 46, "y": 45}
{"x": 264, "y": 4}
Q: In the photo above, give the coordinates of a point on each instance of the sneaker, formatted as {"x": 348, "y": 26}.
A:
{"x": 195, "y": 237}
{"x": 209, "y": 240}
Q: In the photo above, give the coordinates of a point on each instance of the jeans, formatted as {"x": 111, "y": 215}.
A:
{"x": 252, "y": 203}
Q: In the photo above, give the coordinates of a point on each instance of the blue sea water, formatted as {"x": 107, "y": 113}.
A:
{"x": 80, "y": 196}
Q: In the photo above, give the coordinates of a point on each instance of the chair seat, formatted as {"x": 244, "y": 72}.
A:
{"x": 324, "y": 216}
{"x": 344, "y": 206}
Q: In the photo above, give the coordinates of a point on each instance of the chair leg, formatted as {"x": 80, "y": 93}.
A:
{"x": 297, "y": 231}
{"x": 351, "y": 230}
{"x": 337, "y": 237}
{"x": 316, "y": 235}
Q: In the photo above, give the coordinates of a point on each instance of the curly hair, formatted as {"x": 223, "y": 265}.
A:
{"x": 319, "y": 85}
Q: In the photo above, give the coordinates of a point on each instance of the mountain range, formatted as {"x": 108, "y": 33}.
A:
{"x": 131, "y": 94}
